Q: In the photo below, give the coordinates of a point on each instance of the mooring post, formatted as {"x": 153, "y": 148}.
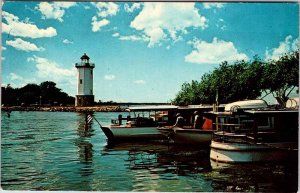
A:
{"x": 120, "y": 119}
{"x": 86, "y": 125}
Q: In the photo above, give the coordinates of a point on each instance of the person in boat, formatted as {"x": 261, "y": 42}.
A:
{"x": 179, "y": 121}
{"x": 198, "y": 121}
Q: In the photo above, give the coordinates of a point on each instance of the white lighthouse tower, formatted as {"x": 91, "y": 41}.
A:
{"x": 84, "y": 95}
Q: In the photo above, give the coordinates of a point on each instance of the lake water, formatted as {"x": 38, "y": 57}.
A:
{"x": 51, "y": 151}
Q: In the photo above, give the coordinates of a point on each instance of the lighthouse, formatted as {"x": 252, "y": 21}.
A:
{"x": 84, "y": 95}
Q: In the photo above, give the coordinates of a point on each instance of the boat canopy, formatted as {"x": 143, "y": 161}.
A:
{"x": 198, "y": 107}
{"x": 247, "y": 104}
{"x": 153, "y": 108}
{"x": 268, "y": 112}
{"x": 169, "y": 107}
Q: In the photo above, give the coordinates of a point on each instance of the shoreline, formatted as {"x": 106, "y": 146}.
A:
{"x": 65, "y": 109}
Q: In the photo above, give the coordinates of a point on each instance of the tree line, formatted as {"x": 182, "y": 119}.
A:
{"x": 244, "y": 80}
{"x": 45, "y": 93}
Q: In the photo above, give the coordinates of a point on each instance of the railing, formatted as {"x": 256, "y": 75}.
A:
{"x": 243, "y": 133}
{"x": 85, "y": 65}
{"x": 230, "y": 132}
{"x": 222, "y": 136}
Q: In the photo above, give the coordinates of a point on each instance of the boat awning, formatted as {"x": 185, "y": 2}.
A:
{"x": 264, "y": 112}
{"x": 247, "y": 104}
{"x": 153, "y": 108}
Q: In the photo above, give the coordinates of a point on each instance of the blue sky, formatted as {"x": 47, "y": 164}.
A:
{"x": 143, "y": 52}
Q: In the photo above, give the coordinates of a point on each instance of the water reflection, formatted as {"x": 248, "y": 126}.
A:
{"x": 163, "y": 159}
{"x": 54, "y": 151}
{"x": 85, "y": 148}
{"x": 255, "y": 177}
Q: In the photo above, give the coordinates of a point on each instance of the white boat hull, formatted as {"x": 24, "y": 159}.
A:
{"x": 242, "y": 153}
{"x": 127, "y": 133}
{"x": 192, "y": 136}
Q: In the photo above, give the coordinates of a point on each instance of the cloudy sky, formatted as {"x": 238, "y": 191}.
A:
{"x": 143, "y": 52}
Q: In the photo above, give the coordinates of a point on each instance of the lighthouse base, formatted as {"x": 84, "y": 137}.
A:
{"x": 84, "y": 100}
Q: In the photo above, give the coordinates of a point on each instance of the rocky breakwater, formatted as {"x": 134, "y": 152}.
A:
{"x": 65, "y": 109}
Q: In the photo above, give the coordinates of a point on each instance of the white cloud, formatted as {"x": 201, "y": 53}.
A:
{"x": 116, "y": 35}
{"x": 66, "y": 41}
{"x": 14, "y": 76}
{"x": 158, "y": 21}
{"x": 106, "y": 9}
{"x": 284, "y": 47}
{"x": 221, "y": 24}
{"x": 131, "y": 37}
{"x": 54, "y": 10}
{"x": 2, "y": 58}
{"x": 96, "y": 25}
{"x": 3, "y": 48}
{"x": 295, "y": 44}
{"x": 213, "y": 53}
{"x": 19, "y": 81}
{"x": 49, "y": 70}
{"x": 20, "y": 44}
{"x": 15, "y": 27}
{"x": 134, "y": 38}
{"x": 213, "y": 5}
{"x": 139, "y": 82}
{"x": 109, "y": 77}
{"x": 133, "y": 7}
{"x": 30, "y": 59}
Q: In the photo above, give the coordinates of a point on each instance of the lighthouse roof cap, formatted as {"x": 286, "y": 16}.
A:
{"x": 84, "y": 57}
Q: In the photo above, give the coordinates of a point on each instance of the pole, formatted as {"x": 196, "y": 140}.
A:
{"x": 217, "y": 105}
{"x": 86, "y": 125}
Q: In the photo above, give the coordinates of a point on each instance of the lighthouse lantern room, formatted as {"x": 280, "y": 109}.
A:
{"x": 84, "y": 95}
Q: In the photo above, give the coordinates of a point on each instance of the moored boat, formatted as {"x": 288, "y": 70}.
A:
{"x": 255, "y": 136}
{"x": 188, "y": 134}
{"x": 191, "y": 136}
{"x": 142, "y": 125}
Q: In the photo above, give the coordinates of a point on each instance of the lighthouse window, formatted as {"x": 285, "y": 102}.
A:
{"x": 80, "y": 81}
{"x": 91, "y": 72}
{"x": 91, "y": 91}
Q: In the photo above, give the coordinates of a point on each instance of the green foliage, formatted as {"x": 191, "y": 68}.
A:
{"x": 45, "y": 93}
{"x": 281, "y": 77}
{"x": 243, "y": 80}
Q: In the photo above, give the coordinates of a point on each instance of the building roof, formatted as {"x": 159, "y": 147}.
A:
{"x": 84, "y": 57}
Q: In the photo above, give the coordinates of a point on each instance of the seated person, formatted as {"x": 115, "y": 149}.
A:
{"x": 179, "y": 121}
{"x": 198, "y": 122}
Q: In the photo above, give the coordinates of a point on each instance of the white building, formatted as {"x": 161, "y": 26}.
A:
{"x": 84, "y": 95}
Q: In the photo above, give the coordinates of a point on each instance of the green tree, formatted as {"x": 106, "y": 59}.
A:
{"x": 49, "y": 92}
{"x": 30, "y": 94}
{"x": 244, "y": 80}
{"x": 33, "y": 93}
{"x": 281, "y": 77}
{"x": 10, "y": 96}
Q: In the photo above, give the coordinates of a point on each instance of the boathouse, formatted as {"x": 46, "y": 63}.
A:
{"x": 84, "y": 95}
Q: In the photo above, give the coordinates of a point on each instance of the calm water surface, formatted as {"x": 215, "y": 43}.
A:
{"x": 51, "y": 151}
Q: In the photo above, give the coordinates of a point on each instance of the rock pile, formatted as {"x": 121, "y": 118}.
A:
{"x": 65, "y": 109}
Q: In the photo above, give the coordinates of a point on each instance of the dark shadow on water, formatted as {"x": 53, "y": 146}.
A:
{"x": 255, "y": 177}
{"x": 162, "y": 158}
{"x": 168, "y": 160}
